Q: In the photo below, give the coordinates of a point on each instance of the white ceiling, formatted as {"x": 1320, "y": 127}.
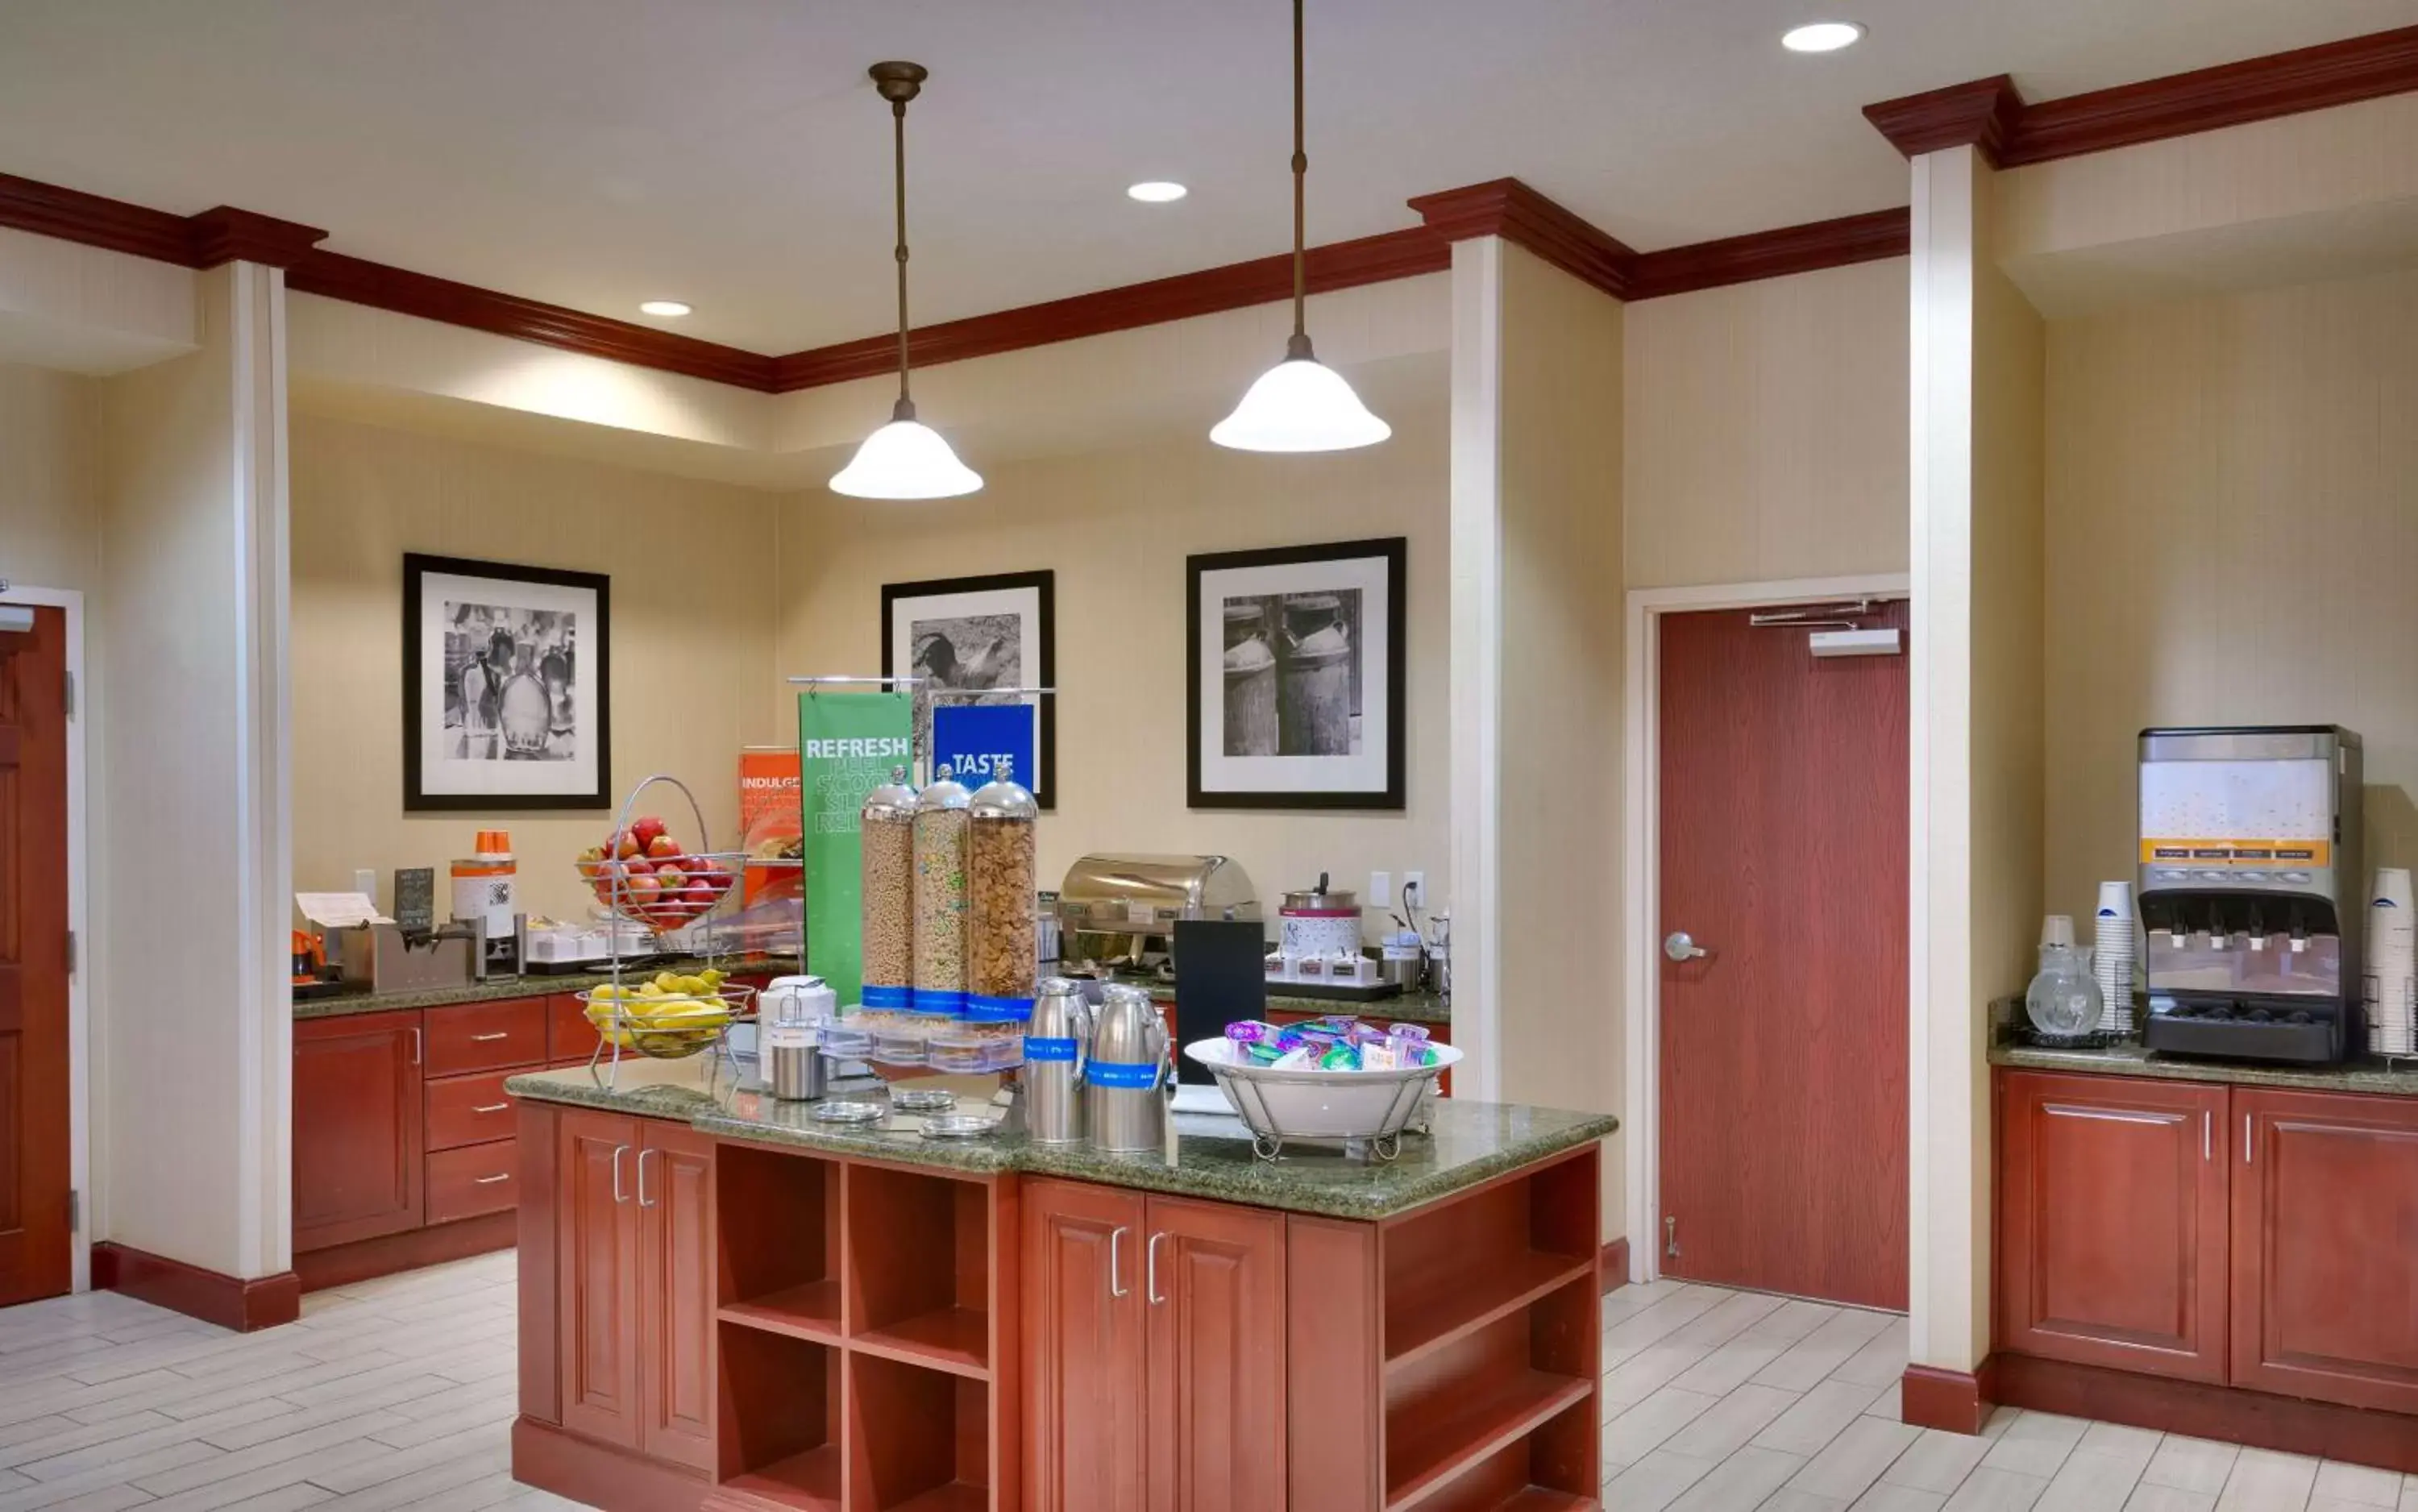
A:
{"x": 595, "y": 153}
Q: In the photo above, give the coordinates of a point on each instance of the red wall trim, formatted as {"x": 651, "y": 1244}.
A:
{"x": 2288, "y": 1424}
{"x": 1989, "y": 114}
{"x": 1852, "y": 238}
{"x": 226, "y": 234}
{"x": 213, "y": 1298}
{"x": 1508, "y": 208}
{"x": 204, "y": 240}
{"x": 1957, "y": 1402}
{"x": 1613, "y": 1267}
{"x": 1342, "y": 265}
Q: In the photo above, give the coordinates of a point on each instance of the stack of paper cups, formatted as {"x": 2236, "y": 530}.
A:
{"x": 2111, "y": 956}
{"x": 2391, "y": 933}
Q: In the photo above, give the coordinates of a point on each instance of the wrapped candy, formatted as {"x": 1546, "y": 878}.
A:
{"x": 1341, "y": 1056}
{"x": 1250, "y": 1032}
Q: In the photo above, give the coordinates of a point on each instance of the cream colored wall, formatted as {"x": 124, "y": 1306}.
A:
{"x": 50, "y": 478}
{"x": 1765, "y": 429}
{"x": 1560, "y": 756}
{"x": 1115, "y": 526}
{"x": 693, "y": 623}
{"x": 2233, "y": 539}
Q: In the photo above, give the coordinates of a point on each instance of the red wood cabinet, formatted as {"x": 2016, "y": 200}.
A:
{"x": 357, "y": 1127}
{"x": 2325, "y": 1246}
{"x": 634, "y": 1285}
{"x": 1155, "y": 1366}
{"x": 2112, "y": 1222}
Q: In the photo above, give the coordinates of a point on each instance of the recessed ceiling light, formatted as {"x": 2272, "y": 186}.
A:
{"x": 1822, "y": 36}
{"x": 663, "y": 307}
{"x": 1156, "y": 191}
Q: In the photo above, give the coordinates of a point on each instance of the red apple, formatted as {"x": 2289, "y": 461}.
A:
{"x": 628, "y": 845}
{"x": 701, "y": 895}
{"x": 670, "y": 878}
{"x": 648, "y": 829}
{"x": 662, "y": 846}
{"x": 640, "y": 890}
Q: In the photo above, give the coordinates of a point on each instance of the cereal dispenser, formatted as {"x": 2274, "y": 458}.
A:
{"x": 939, "y": 893}
{"x": 1003, "y": 954}
{"x": 887, "y": 893}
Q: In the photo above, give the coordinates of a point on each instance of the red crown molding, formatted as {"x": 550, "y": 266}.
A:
{"x": 1508, "y": 208}
{"x": 1342, "y": 265}
{"x": 1707, "y": 265}
{"x": 226, "y": 234}
{"x": 1989, "y": 114}
{"x": 1978, "y": 114}
{"x": 357, "y": 280}
{"x": 114, "y": 225}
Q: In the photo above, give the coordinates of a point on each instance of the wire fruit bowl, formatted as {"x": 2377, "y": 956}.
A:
{"x": 671, "y": 1025}
{"x": 1300, "y": 1103}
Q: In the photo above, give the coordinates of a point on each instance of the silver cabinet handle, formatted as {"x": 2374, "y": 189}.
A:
{"x": 1150, "y": 1268}
{"x": 2245, "y": 1139}
{"x": 619, "y": 1151}
{"x": 490, "y": 1039}
{"x": 642, "y": 1176}
{"x": 490, "y": 1180}
{"x": 2207, "y": 1123}
{"x": 1116, "y": 1266}
{"x": 415, "y": 1045}
{"x": 1681, "y": 946}
{"x": 491, "y": 1108}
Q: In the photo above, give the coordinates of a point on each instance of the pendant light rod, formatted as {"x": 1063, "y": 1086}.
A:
{"x": 899, "y": 82}
{"x": 1299, "y": 345}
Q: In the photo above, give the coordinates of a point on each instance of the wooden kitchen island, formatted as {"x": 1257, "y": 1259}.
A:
{"x": 724, "y": 1302}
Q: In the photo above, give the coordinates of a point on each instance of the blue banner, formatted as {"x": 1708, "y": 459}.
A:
{"x": 985, "y": 742}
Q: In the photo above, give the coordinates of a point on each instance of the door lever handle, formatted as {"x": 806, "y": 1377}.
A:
{"x": 1681, "y": 946}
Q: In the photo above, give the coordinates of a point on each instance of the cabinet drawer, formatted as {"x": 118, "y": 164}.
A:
{"x": 468, "y": 1110}
{"x": 486, "y": 1036}
{"x": 569, "y": 1034}
{"x": 480, "y": 1178}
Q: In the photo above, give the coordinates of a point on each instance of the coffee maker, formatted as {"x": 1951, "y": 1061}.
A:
{"x": 2250, "y": 890}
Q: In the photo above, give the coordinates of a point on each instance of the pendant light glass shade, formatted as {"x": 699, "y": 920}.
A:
{"x": 1300, "y": 405}
{"x": 905, "y": 459}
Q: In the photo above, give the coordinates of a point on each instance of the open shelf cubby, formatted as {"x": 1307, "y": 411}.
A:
{"x": 781, "y": 1420}
{"x": 920, "y": 1439}
{"x": 780, "y": 1219}
{"x": 918, "y": 1271}
{"x": 1462, "y": 1266}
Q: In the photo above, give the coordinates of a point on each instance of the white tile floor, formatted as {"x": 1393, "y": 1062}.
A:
{"x": 398, "y": 1394}
{"x": 1722, "y": 1401}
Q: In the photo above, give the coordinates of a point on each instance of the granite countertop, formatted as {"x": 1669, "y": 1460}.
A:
{"x": 1470, "y": 1142}
{"x": 2366, "y": 1075}
{"x": 522, "y": 986}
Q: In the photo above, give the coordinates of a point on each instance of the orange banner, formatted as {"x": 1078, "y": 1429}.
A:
{"x": 769, "y": 818}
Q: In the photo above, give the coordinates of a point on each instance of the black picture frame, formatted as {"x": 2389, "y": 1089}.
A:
{"x": 1394, "y": 552}
{"x": 417, "y": 566}
{"x": 1042, "y": 584}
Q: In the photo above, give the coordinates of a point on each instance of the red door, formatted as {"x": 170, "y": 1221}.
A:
{"x": 35, "y": 1256}
{"x": 1784, "y": 856}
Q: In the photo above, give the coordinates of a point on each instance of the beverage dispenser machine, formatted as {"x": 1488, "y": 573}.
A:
{"x": 2250, "y": 890}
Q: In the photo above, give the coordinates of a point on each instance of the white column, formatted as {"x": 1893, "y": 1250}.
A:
{"x": 1476, "y": 536}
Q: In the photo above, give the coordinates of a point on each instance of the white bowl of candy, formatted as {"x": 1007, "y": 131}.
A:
{"x": 1291, "y": 1086}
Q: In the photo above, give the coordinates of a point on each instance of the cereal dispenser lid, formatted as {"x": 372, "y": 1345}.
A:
{"x": 893, "y": 799}
{"x": 945, "y": 792}
{"x": 1005, "y": 798}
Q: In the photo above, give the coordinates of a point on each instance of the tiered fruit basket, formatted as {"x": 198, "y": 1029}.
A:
{"x": 645, "y": 875}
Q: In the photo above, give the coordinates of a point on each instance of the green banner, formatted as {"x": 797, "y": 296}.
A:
{"x": 847, "y": 744}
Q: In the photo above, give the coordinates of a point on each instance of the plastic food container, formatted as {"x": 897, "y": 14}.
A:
{"x": 886, "y": 827}
{"x": 898, "y": 1042}
{"x": 1003, "y": 958}
{"x": 940, "y": 818}
{"x": 971, "y": 1050}
{"x": 847, "y": 1039}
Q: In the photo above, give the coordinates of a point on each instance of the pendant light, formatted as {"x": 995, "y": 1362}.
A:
{"x": 1300, "y": 405}
{"x": 905, "y": 458}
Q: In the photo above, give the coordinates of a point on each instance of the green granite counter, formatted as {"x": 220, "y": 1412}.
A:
{"x": 520, "y": 986}
{"x": 1470, "y": 1142}
{"x": 2361, "y": 1075}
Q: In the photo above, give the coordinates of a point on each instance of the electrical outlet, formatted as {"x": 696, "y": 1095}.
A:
{"x": 1381, "y": 889}
{"x": 1415, "y": 890}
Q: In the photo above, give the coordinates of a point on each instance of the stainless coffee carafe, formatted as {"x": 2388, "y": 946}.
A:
{"x": 1126, "y": 1071}
{"x": 1056, "y": 1044}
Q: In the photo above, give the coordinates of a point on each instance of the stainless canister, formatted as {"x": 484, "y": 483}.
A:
{"x": 1056, "y": 1043}
{"x": 1125, "y": 1072}
{"x": 793, "y": 1064}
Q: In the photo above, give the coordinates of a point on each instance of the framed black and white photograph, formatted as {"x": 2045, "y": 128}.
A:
{"x": 506, "y": 703}
{"x": 975, "y": 637}
{"x": 1294, "y": 667}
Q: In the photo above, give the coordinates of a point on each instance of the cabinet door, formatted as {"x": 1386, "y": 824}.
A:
{"x": 2325, "y": 1246}
{"x": 1213, "y": 1274}
{"x": 1085, "y": 1366}
{"x": 597, "y": 1245}
{"x": 675, "y": 1195}
{"x": 2112, "y": 1222}
{"x": 357, "y": 1127}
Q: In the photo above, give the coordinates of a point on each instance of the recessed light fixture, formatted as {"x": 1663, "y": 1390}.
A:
{"x": 1156, "y": 191}
{"x": 1822, "y": 36}
{"x": 665, "y": 307}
